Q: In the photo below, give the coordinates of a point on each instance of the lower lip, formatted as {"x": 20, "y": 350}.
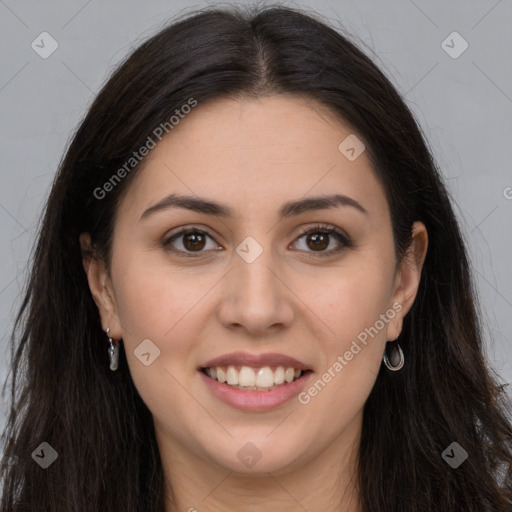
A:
{"x": 255, "y": 400}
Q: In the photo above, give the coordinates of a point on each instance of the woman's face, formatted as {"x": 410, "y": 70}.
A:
{"x": 251, "y": 296}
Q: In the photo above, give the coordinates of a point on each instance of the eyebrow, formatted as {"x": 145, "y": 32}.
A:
{"x": 289, "y": 209}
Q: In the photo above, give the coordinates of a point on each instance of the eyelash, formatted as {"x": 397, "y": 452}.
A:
{"x": 324, "y": 229}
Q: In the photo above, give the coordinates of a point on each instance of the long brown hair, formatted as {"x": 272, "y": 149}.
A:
{"x": 62, "y": 391}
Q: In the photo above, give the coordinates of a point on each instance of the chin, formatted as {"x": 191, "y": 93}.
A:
{"x": 253, "y": 455}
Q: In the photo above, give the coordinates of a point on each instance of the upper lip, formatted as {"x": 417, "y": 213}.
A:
{"x": 256, "y": 361}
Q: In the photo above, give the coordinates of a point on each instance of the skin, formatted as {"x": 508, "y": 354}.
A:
{"x": 254, "y": 155}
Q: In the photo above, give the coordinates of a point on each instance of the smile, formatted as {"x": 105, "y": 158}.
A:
{"x": 246, "y": 378}
{"x": 254, "y": 382}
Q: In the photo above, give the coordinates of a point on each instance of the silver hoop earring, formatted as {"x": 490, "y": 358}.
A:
{"x": 113, "y": 352}
{"x": 400, "y": 363}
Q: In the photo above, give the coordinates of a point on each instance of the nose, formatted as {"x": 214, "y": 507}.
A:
{"x": 256, "y": 297}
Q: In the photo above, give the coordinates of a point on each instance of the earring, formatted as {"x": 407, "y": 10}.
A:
{"x": 113, "y": 352}
{"x": 400, "y": 363}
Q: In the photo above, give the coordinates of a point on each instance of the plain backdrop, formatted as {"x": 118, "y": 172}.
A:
{"x": 462, "y": 99}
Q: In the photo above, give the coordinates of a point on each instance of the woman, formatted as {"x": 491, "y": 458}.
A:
{"x": 250, "y": 292}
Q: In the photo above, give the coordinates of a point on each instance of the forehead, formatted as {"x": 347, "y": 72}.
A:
{"x": 256, "y": 153}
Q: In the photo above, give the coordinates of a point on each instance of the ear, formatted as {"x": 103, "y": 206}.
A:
{"x": 101, "y": 287}
{"x": 407, "y": 278}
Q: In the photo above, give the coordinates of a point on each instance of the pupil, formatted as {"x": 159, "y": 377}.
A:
{"x": 196, "y": 239}
{"x": 316, "y": 244}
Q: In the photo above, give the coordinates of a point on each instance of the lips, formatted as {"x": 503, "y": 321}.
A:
{"x": 272, "y": 360}
{"x": 255, "y": 382}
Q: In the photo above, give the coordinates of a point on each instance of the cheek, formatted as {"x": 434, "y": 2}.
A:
{"x": 357, "y": 311}
{"x": 163, "y": 305}
{"x": 352, "y": 360}
{"x": 352, "y": 298}
{"x": 153, "y": 298}
{"x": 160, "y": 304}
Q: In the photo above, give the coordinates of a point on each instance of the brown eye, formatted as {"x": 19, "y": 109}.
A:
{"x": 318, "y": 239}
{"x": 193, "y": 241}
{"x": 189, "y": 241}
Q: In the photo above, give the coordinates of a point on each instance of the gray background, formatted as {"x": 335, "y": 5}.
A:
{"x": 464, "y": 105}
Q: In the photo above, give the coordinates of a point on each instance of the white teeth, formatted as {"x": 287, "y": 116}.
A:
{"x": 221, "y": 374}
{"x": 264, "y": 377}
{"x": 279, "y": 375}
{"x": 249, "y": 379}
{"x": 232, "y": 376}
